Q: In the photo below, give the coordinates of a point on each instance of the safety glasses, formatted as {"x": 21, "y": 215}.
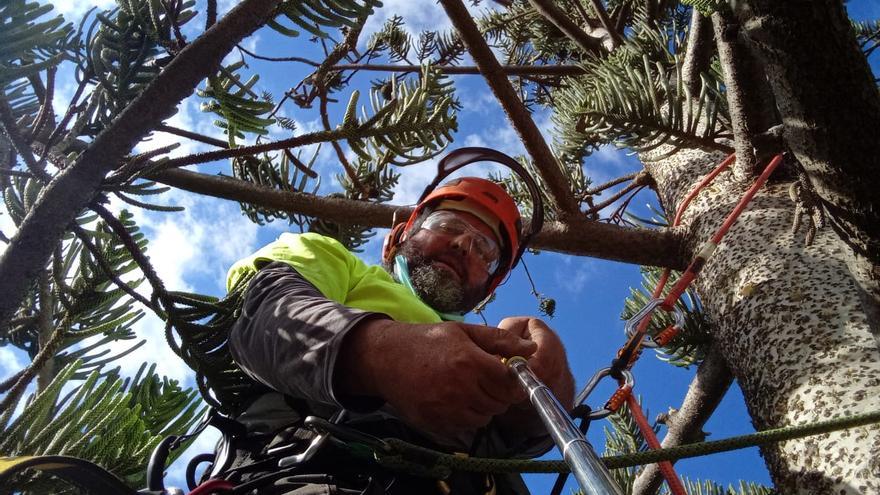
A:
{"x": 457, "y": 159}
{"x": 448, "y": 223}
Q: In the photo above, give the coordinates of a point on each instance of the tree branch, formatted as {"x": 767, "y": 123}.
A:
{"x": 559, "y": 19}
{"x": 73, "y": 188}
{"x": 738, "y": 94}
{"x": 519, "y": 116}
{"x": 19, "y": 142}
{"x": 602, "y": 14}
{"x": 574, "y": 236}
{"x": 192, "y": 135}
{"x": 508, "y": 70}
{"x": 294, "y": 142}
{"x": 698, "y": 53}
{"x": 709, "y": 386}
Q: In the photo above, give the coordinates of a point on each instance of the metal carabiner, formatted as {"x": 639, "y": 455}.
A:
{"x": 632, "y": 324}
{"x": 314, "y": 445}
{"x": 629, "y": 381}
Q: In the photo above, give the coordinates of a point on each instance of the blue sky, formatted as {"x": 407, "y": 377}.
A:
{"x": 192, "y": 250}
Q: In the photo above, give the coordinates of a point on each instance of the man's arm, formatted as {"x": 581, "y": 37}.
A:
{"x": 289, "y": 335}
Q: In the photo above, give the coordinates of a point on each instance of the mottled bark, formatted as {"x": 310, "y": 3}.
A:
{"x": 791, "y": 325}
{"x": 830, "y": 108}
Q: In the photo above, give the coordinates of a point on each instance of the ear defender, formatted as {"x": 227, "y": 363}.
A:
{"x": 389, "y": 246}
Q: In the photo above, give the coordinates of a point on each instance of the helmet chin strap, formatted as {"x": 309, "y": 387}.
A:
{"x": 401, "y": 272}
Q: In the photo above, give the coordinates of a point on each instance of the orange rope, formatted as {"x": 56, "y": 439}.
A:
{"x": 678, "y": 289}
{"x": 666, "y": 468}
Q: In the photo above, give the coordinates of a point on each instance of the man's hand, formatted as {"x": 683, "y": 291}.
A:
{"x": 549, "y": 364}
{"x": 444, "y": 377}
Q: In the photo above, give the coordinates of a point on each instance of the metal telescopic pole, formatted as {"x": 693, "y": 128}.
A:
{"x": 588, "y": 469}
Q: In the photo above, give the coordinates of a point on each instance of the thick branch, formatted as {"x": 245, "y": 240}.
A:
{"x": 75, "y": 186}
{"x": 698, "y": 52}
{"x": 519, "y": 116}
{"x": 509, "y": 70}
{"x": 709, "y": 386}
{"x": 559, "y": 19}
{"x": 731, "y": 56}
{"x": 575, "y": 236}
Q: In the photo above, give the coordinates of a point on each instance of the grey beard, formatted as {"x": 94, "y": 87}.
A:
{"x": 433, "y": 285}
{"x": 437, "y": 288}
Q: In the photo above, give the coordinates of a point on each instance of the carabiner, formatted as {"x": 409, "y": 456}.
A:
{"x": 628, "y": 381}
{"x": 632, "y": 324}
{"x": 314, "y": 445}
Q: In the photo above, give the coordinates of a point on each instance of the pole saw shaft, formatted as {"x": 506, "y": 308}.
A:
{"x": 588, "y": 469}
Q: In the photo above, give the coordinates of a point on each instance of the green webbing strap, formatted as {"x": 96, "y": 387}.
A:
{"x": 78, "y": 472}
{"x": 421, "y": 461}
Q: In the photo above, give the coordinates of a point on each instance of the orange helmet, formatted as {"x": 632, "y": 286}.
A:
{"x": 474, "y": 193}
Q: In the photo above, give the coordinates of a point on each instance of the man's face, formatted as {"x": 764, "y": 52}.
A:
{"x": 451, "y": 259}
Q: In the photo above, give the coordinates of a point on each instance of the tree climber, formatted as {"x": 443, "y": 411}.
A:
{"x": 325, "y": 332}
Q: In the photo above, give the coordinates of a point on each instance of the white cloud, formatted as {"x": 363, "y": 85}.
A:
{"x": 9, "y": 362}
{"x": 74, "y": 10}
{"x": 573, "y": 274}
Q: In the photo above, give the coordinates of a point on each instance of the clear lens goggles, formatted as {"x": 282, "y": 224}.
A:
{"x": 448, "y": 223}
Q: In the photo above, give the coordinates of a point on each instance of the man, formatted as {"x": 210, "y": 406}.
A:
{"x": 388, "y": 344}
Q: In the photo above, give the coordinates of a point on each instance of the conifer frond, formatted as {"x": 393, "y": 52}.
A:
{"x": 112, "y": 422}
{"x": 125, "y": 51}
{"x": 635, "y": 98}
{"x": 691, "y": 344}
{"x": 30, "y": 42}
{"x": 393, "y": 39}
{"x": 311, "y": 15}
{"x": 239, "y": 107}
{"x": 426, "y": 107}
{"x": 698, "y": 487}
{"x": 706, "y": 7}
{"x": 279, "y": 173}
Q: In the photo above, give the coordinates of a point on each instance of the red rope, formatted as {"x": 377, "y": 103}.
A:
{"x": 678, "y": 289}
{"x": 666, "y": 468}
{"x": 213, "y": 486}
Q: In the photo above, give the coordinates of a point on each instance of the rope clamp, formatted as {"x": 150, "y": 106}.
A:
{"x": 628, "y": 380}
{"x": 632, "y": 324}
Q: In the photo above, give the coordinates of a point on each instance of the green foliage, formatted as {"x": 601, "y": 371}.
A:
{"x": 283, "y": 174}
{"x": 112, "y": 422}
{"x": 635, "y": 98}
{"x": 425, "y": 108}
{"x": 577, "y": 181}
{"x": 240, "y": 109}
{"x": 124, "y": 53}
{"x": 29, "y": 44}
{"x": 310, "y": 15}
{"x": 706, "y": 7}
{"x": 711, "y": 488}
{"x": 692, "y": 343}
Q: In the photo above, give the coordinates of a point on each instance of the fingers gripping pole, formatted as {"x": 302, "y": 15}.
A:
{"x": 589, "y": 471}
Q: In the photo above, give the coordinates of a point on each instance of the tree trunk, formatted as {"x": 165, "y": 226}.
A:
{"x": 790, "y": 323}
{"x": 830, "y": 108}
